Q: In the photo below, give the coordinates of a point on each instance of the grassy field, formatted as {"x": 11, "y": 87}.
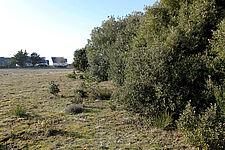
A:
{"x": 46, "y": 125}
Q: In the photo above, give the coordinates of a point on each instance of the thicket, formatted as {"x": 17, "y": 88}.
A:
{"x": 107, "y": 49}
{"x": 80, "y": 61}
{"x": 168, "y": 58}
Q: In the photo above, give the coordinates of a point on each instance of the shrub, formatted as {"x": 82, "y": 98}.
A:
{"x": 104, "y": 94}
{"x": 82, "y": 90}
{"x": 167, "y": 64}
{"x": 19, "y": 111}
{"x": 217, "y": 44}
{"x": 77, "y": 99}
{"x": 72, "y": 75}
{"x": 93, "y": 91}
{"x": 80, "y": 61}
{"x": 205, "y": 131}
{"x": 54, "y": 88}
{"x": 75, "y": 109}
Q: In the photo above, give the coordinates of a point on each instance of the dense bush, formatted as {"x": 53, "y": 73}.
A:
{"x": 206, "y": 130}
{"x": 80, "y": 61}
{"x": 117, "y": 52}
{"x": 54, "y": 88}
{"x": 162, "y": 59}
{"x": 108, "y": 46}
{"x": 77, "y": 99}
{"x": 218, "y": 53}
{"x": 168, "y": 64}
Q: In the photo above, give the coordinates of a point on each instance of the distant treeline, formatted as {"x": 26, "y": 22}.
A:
{"x": 169, "y": 58}
{"x": 23, "y": 59}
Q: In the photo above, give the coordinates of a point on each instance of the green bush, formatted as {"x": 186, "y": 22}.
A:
{"x": 167, "y": 65}
{"x": 75, "y": 109}
{"x": 93, "y": 91}
{"x": 217, "y": 44}
{"x": 72, "y": 75}
{"x": 81, "y": 90}
{"x": 104, "y": 94}
{"x": 77, "y": 99}
{"x": 80, "y": 61}
{"x": 117, "y": 52}
{"x": 205, "y": 131}
{"x": 19, "y": 111}
{"x": 54, "y": 88}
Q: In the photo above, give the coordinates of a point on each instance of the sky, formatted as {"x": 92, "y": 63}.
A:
{"x": 56, "y": 28}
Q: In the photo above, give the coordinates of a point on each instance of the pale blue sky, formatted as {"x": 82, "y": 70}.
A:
{"x": 56, "y": 27}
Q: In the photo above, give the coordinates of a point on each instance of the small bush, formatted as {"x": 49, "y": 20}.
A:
{"x": 77, "y": 99}
{"x": 104, "y": 94}
{"x": 75, "y": 109}
{"x": 205, "y": 131}
{"x": 72, "y": 75}
{"x": 19, "y": 111}
{"x": 54, "y": 88}
{"x": 93, "y": 92}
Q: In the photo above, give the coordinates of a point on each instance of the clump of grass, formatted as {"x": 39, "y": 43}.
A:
{"x": 162, "y": 120}
{"x": 75, "y": 109}
{"x": 19, "y": 111}
{"x": 54, "y": 88}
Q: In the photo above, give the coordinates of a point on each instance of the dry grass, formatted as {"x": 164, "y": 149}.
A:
{"x": 48, "y": 126}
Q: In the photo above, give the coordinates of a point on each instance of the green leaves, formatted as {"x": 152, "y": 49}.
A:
{"x": 80, "y": 61}
{"x": 35, "y": 58}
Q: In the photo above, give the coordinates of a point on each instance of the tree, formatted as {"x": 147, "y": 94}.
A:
{"x": 21, "y": 58}
{"x": 35, "y": 58}
{"x": 80, "y": 61}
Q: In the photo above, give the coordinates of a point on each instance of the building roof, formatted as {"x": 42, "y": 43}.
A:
{"x": 59, "y": 60}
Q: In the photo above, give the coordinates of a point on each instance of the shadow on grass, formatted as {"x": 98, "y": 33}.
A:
{"x": 95, "y": 107}
{"x": 90, "y": 110}
{"x": 55, "y": 132}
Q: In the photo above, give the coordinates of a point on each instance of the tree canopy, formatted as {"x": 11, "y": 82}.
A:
{"x": 21, "y": 58}
{"x": 35, "y": 58}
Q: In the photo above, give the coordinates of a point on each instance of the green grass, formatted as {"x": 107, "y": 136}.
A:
{"x": 19, "y": 111}
{"x": 49, "y": 126}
